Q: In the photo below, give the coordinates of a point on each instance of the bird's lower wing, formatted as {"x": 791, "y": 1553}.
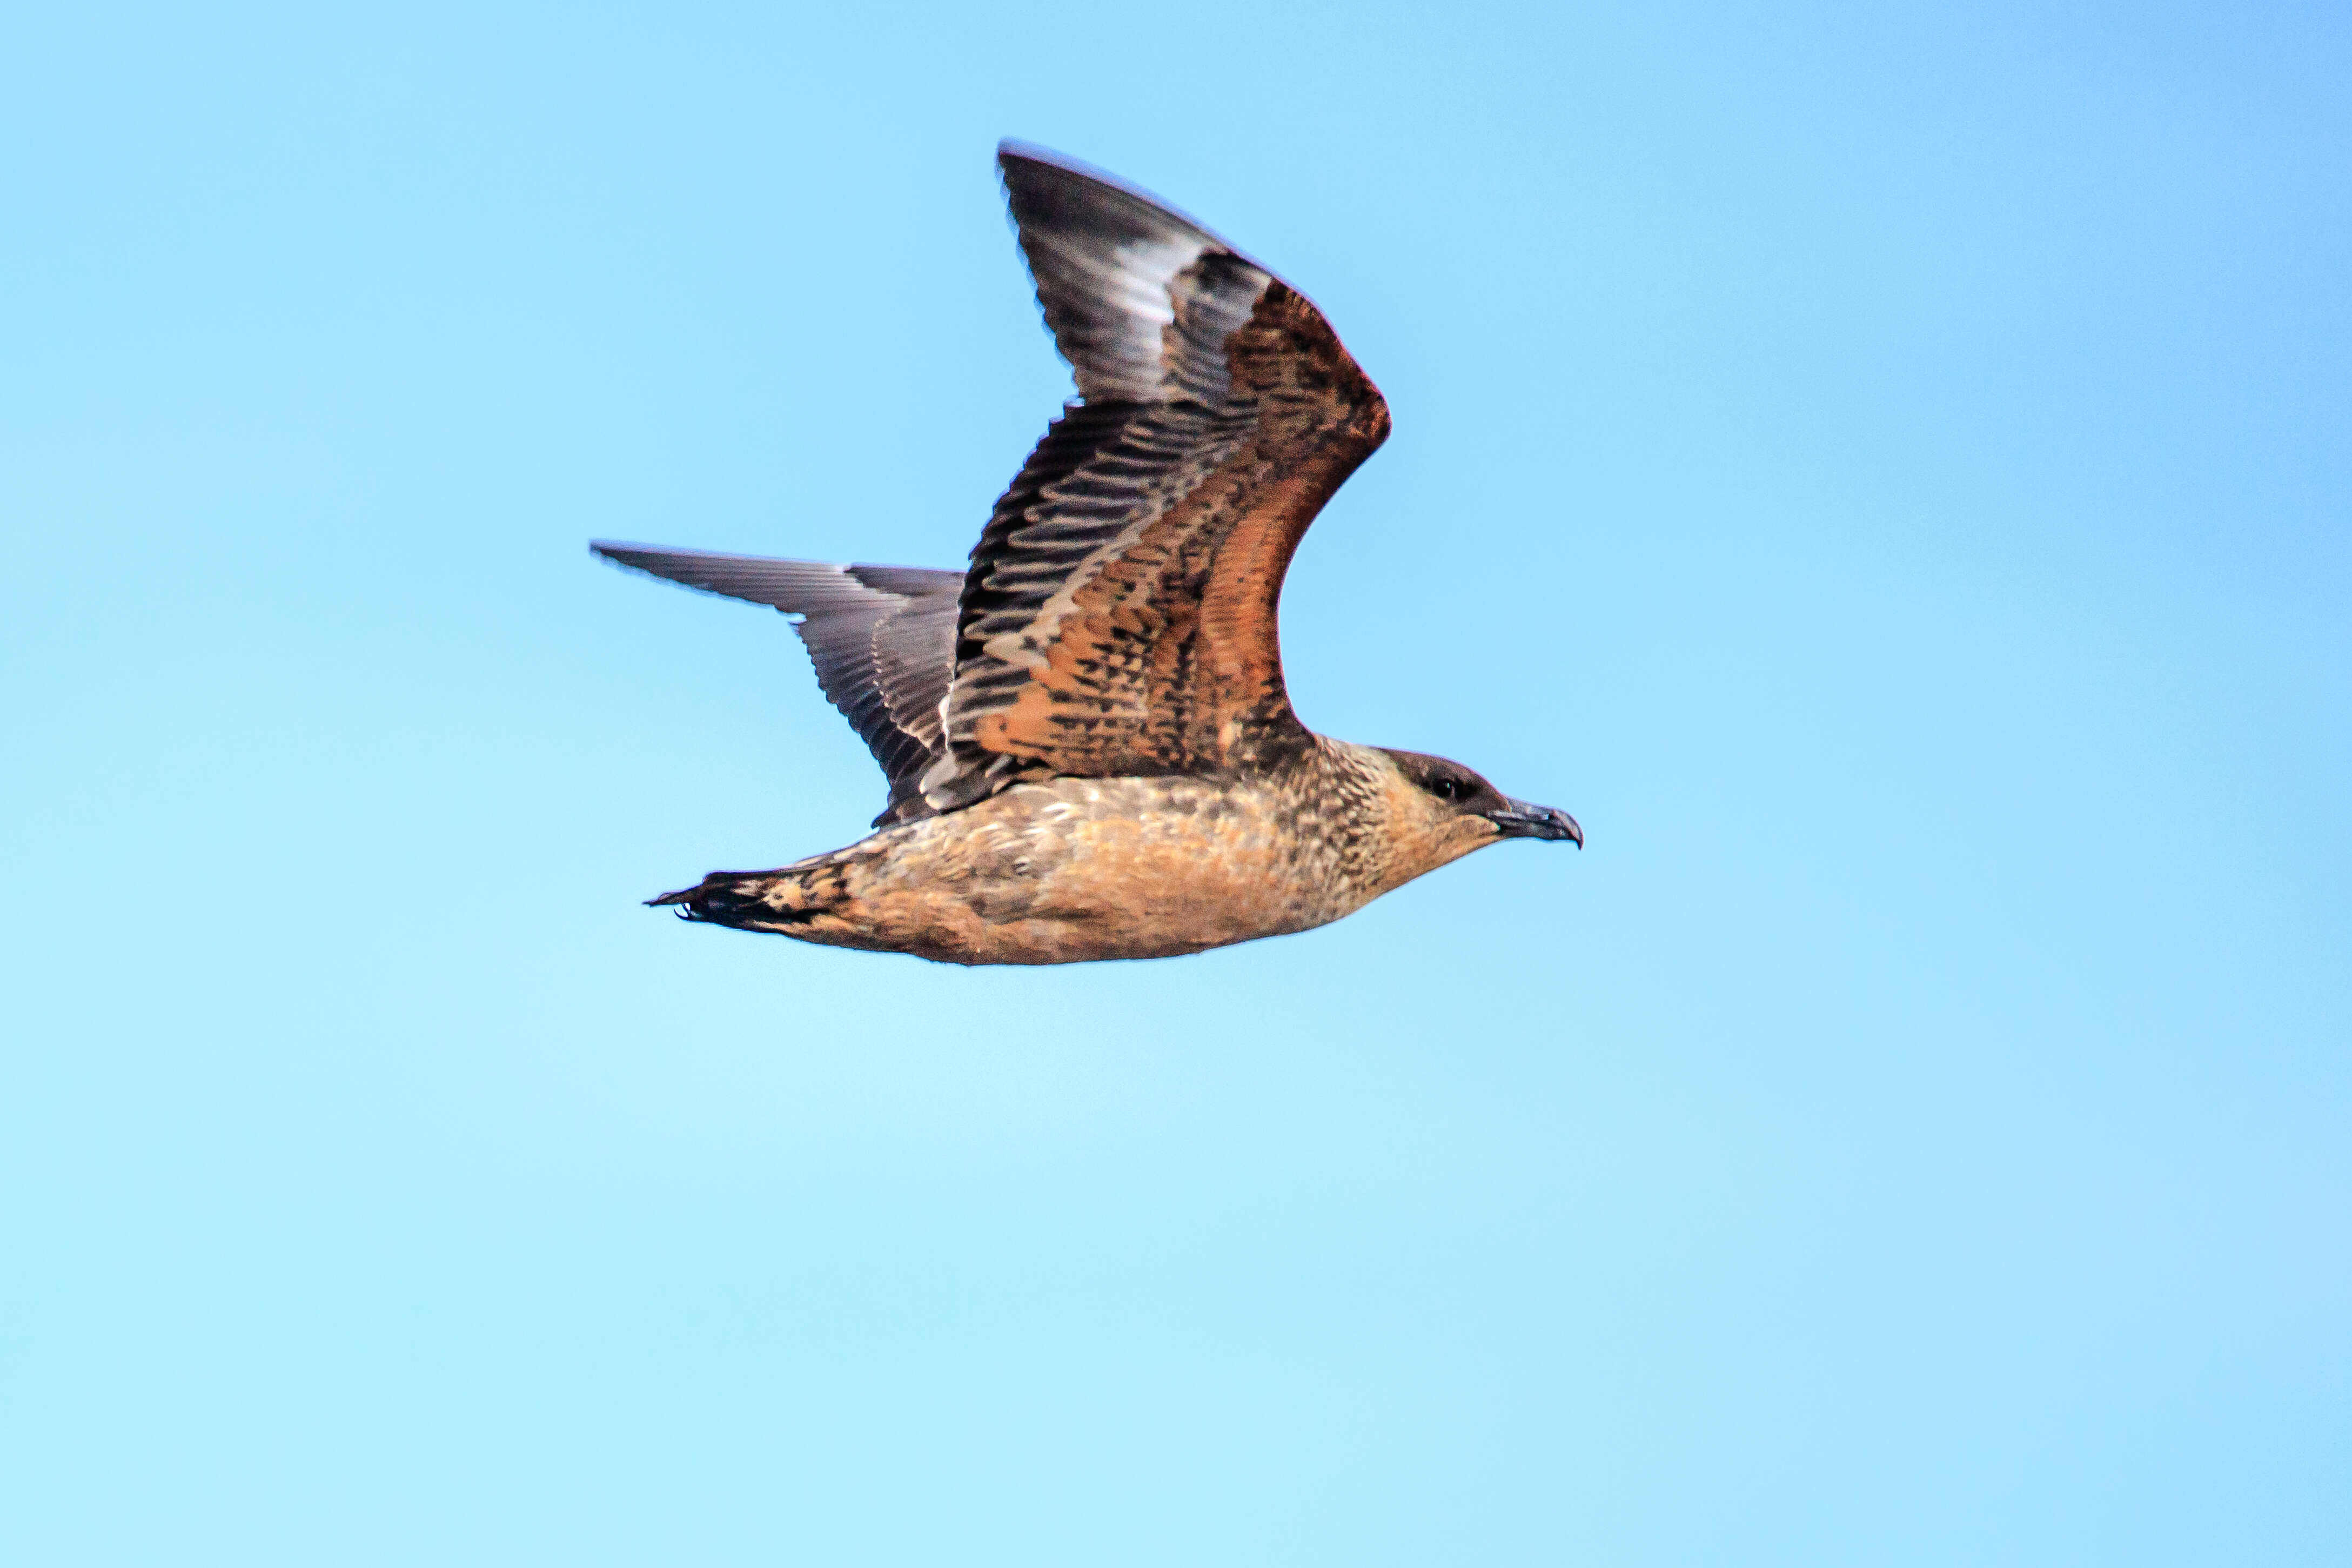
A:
{"x": 882, "y": 639}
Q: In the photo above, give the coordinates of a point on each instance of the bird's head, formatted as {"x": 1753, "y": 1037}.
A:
{"x": 1438, "y": 811}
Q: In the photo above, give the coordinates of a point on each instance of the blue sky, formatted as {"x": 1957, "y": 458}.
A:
{"x": 1885, "y": 470}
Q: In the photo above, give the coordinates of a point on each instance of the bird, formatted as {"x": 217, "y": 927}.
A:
{"x": 1090, "y": 751}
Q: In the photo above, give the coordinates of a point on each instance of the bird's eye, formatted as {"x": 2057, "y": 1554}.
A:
{"x": 1446, "y": 787}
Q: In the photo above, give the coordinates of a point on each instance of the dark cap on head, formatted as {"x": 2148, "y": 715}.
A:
{"x": 1472, "y": 796}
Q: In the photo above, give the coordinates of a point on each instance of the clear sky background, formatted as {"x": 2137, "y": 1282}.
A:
{"x": 1888, "y": 471}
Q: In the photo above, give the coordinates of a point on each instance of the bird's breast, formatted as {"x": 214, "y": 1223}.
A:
{"x": 1070, "y": 870}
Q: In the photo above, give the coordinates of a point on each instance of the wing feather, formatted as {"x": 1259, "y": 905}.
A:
{"x": 1119, "y": 614}
{"x": 882, "y": 639}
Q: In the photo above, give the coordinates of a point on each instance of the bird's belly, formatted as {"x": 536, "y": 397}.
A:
{"x": 1092, "y": 868}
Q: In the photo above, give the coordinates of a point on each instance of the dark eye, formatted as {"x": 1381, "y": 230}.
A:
{"x": 1445, "y": 788}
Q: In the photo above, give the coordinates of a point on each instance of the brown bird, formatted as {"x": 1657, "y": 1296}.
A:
{"x": 1089, "y": 748}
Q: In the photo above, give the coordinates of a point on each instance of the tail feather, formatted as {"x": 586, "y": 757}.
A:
{"x": 734, "y": 898}
{"x": 787, "y": 900}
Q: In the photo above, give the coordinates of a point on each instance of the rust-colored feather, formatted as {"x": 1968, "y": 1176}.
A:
{"x": 1090, "y": 749}
{"x": 1121, "y": 614}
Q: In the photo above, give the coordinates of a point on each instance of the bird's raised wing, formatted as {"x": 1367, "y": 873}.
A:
{"x": 882, "y": 638}
{"x": 1118, "y": 618}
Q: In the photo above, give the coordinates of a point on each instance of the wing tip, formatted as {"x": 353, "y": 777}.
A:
{"x": 1013, "y": 150}
{"x": 1014, "y": 155}
{"x": 621, "y": 553}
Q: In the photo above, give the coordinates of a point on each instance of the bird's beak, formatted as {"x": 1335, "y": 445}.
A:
{"x": 1518, "y": 820}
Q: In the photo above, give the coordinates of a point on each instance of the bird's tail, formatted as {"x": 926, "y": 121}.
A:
{"x": 786, "y": 900}
{"x": 723, "y": 897}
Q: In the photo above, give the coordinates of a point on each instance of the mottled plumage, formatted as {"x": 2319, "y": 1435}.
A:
{"x": 1090, "y": 751}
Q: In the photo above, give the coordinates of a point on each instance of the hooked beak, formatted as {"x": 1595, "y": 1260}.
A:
{"x": 1519, "y": 820}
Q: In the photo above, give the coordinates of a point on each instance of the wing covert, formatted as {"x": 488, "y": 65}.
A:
{"x": 1119, "y": 614}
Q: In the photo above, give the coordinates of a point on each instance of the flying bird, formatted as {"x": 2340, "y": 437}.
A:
{"x": 1089, "y": 748}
